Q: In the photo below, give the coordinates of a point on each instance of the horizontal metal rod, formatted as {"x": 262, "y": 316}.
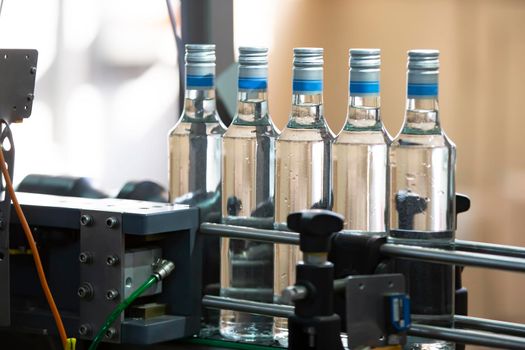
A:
{"x": 253, "y": 307}
{"x": 464, "y": 336}
{"x": 487, "y": 255}
{"x": 254, "y": 234}
{"x": 451, "y": 257}
{"x": 490, "y": 248}
{"x": 495, "y": 326}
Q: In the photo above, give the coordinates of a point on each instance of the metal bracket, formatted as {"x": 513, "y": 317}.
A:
{"x": 101, "y": 272}
{"x": 6, "y": 140}
{"x": 17, "y": 83}
{"x": 367, "y": 307}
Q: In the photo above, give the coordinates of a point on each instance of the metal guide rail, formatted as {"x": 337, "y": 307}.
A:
{"x": 468, "y": 330}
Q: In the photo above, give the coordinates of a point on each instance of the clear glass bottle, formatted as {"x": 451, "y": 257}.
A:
{"x": 360, "y": 155}
{"x": 303, "y": 165}
{"x": 248, "y": 170}
{"x": 195, "y": 153}
{"x": 422, "y": 196}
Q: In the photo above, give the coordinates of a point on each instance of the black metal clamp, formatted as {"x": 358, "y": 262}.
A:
{"x": 314, "y": 324}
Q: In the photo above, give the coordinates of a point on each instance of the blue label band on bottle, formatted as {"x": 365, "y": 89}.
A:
{"x": 312, "y": 86}
{"x": 419, "y": 90}
{"x": 200, "y": 81}
{"x": 253, "y": 83}
{"x": 364, "y": 87}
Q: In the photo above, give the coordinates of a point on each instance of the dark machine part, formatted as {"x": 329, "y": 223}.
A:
{"x": 69, "y": 186}
{"x": 5, "y": 208}
{"x": 377, "y": 311}
{"x": 314, "y": 325}
{"x": 355, "y": 253}
{"x": 17, "y": 86}
{"x": 90, "y": 248}
{"x": 143, "y": 191}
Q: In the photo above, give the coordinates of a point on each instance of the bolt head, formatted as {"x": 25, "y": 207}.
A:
{"x": 84, "y": 258}
{"x": 110, "y": 333}
{"x": 112, "y": 260}
{"x": 112, "y": 294}
{"x": 84, "y": 329}
{"x": 112, "y": 222}
{"x": 86, "y": 220}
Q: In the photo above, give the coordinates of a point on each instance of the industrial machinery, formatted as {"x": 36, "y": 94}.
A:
{"x": 96, "y": 253}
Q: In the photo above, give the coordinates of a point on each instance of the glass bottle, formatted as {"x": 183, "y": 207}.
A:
{"x": 422, "y": 196}
{"x": 248, "y": 170}
{"x": 195, "y": 152}
{"x": 303, "y": 165}
{"x": 360, "y": 151}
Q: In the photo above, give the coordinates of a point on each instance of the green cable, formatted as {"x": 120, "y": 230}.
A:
{"x": 121, "y": 307}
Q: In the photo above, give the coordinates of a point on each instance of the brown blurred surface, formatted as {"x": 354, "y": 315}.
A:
{"x": 482, "y": 46}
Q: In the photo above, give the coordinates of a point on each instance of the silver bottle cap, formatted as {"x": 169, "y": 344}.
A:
{"x": 308, "y": 70}
{"x": 200, "y": 66}
{"x": 423, "y": 73}
{"x": 364, "y": 72}
{"x": 253, "y": 68}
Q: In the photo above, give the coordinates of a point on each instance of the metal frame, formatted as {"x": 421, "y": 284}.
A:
{"x": 102, "y": 240}
{"x": 466, "y": 253}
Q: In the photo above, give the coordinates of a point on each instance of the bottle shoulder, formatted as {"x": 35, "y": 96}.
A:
{"x": 251, "y": 131}
{"x": 366, "y": 137}
{"x": 294, "y": 134}
{"x": 423, "y": 140}
{"x": 183, "y": 127}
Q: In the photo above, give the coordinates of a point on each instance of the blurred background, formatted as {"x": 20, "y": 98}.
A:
{"x": 107, "y": 91}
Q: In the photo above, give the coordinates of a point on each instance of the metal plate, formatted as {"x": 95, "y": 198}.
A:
{"x": 138, "y": 217}
{"x": 366, "y": 309}
{"x": 100, "y": 242}
{"x": 17, "y": 83}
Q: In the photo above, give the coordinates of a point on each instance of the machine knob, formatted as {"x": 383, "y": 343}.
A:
{"x": 316, "y": 226}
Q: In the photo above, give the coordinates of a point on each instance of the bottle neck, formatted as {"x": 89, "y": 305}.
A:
{"x": 364, "y": 113}
{"x": 252, "y": 107}
{"x": 307, "y": 110}
{"x": 199, "y": 105}
{"x": 422, "y": 116}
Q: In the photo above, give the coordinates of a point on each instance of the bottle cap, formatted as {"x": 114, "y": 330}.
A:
{"x": 423, "y": 73}
{"x": 253, "y": 68}
{"x": 200, "y": 66}
{"x": 308, "y": 70}
{"x": 364, "y": 72}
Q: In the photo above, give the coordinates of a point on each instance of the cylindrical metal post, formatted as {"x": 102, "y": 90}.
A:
{"x": 495, "y": 326}
{"x": 254, "y": 234}
{"x": 253, "y": 307}
{"x": 467, "y": 337}
{"x": 451, "y": 257}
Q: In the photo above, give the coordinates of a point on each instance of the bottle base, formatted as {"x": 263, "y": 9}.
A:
{"x": 250, "y": 332}
{"x": 416, "y": 343}
{"x": 280, "y": 335}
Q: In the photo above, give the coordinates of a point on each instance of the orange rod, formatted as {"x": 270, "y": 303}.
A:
{"x": 34, "y": 250}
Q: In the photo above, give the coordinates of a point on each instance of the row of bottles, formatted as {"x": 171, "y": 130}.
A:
{"x": 403, "y": 187}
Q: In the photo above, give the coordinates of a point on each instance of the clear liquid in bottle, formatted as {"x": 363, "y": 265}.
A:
{"x": 248, "y": 200}
{"x": 422, "y": 198}
{"x": 303, "y": 166}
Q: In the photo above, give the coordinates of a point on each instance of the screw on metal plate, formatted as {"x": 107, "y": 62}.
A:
{"x": 85, "y": 291}
{"x": 110, "y": 333}
{"x": 112, "y": 260}
{"x": 86, "y": 220}
{"x": 85, "y": 258}
{"x": 112, "y": 222}
{"x": 84, "y": 329}
{"x": 112, "y": 294}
